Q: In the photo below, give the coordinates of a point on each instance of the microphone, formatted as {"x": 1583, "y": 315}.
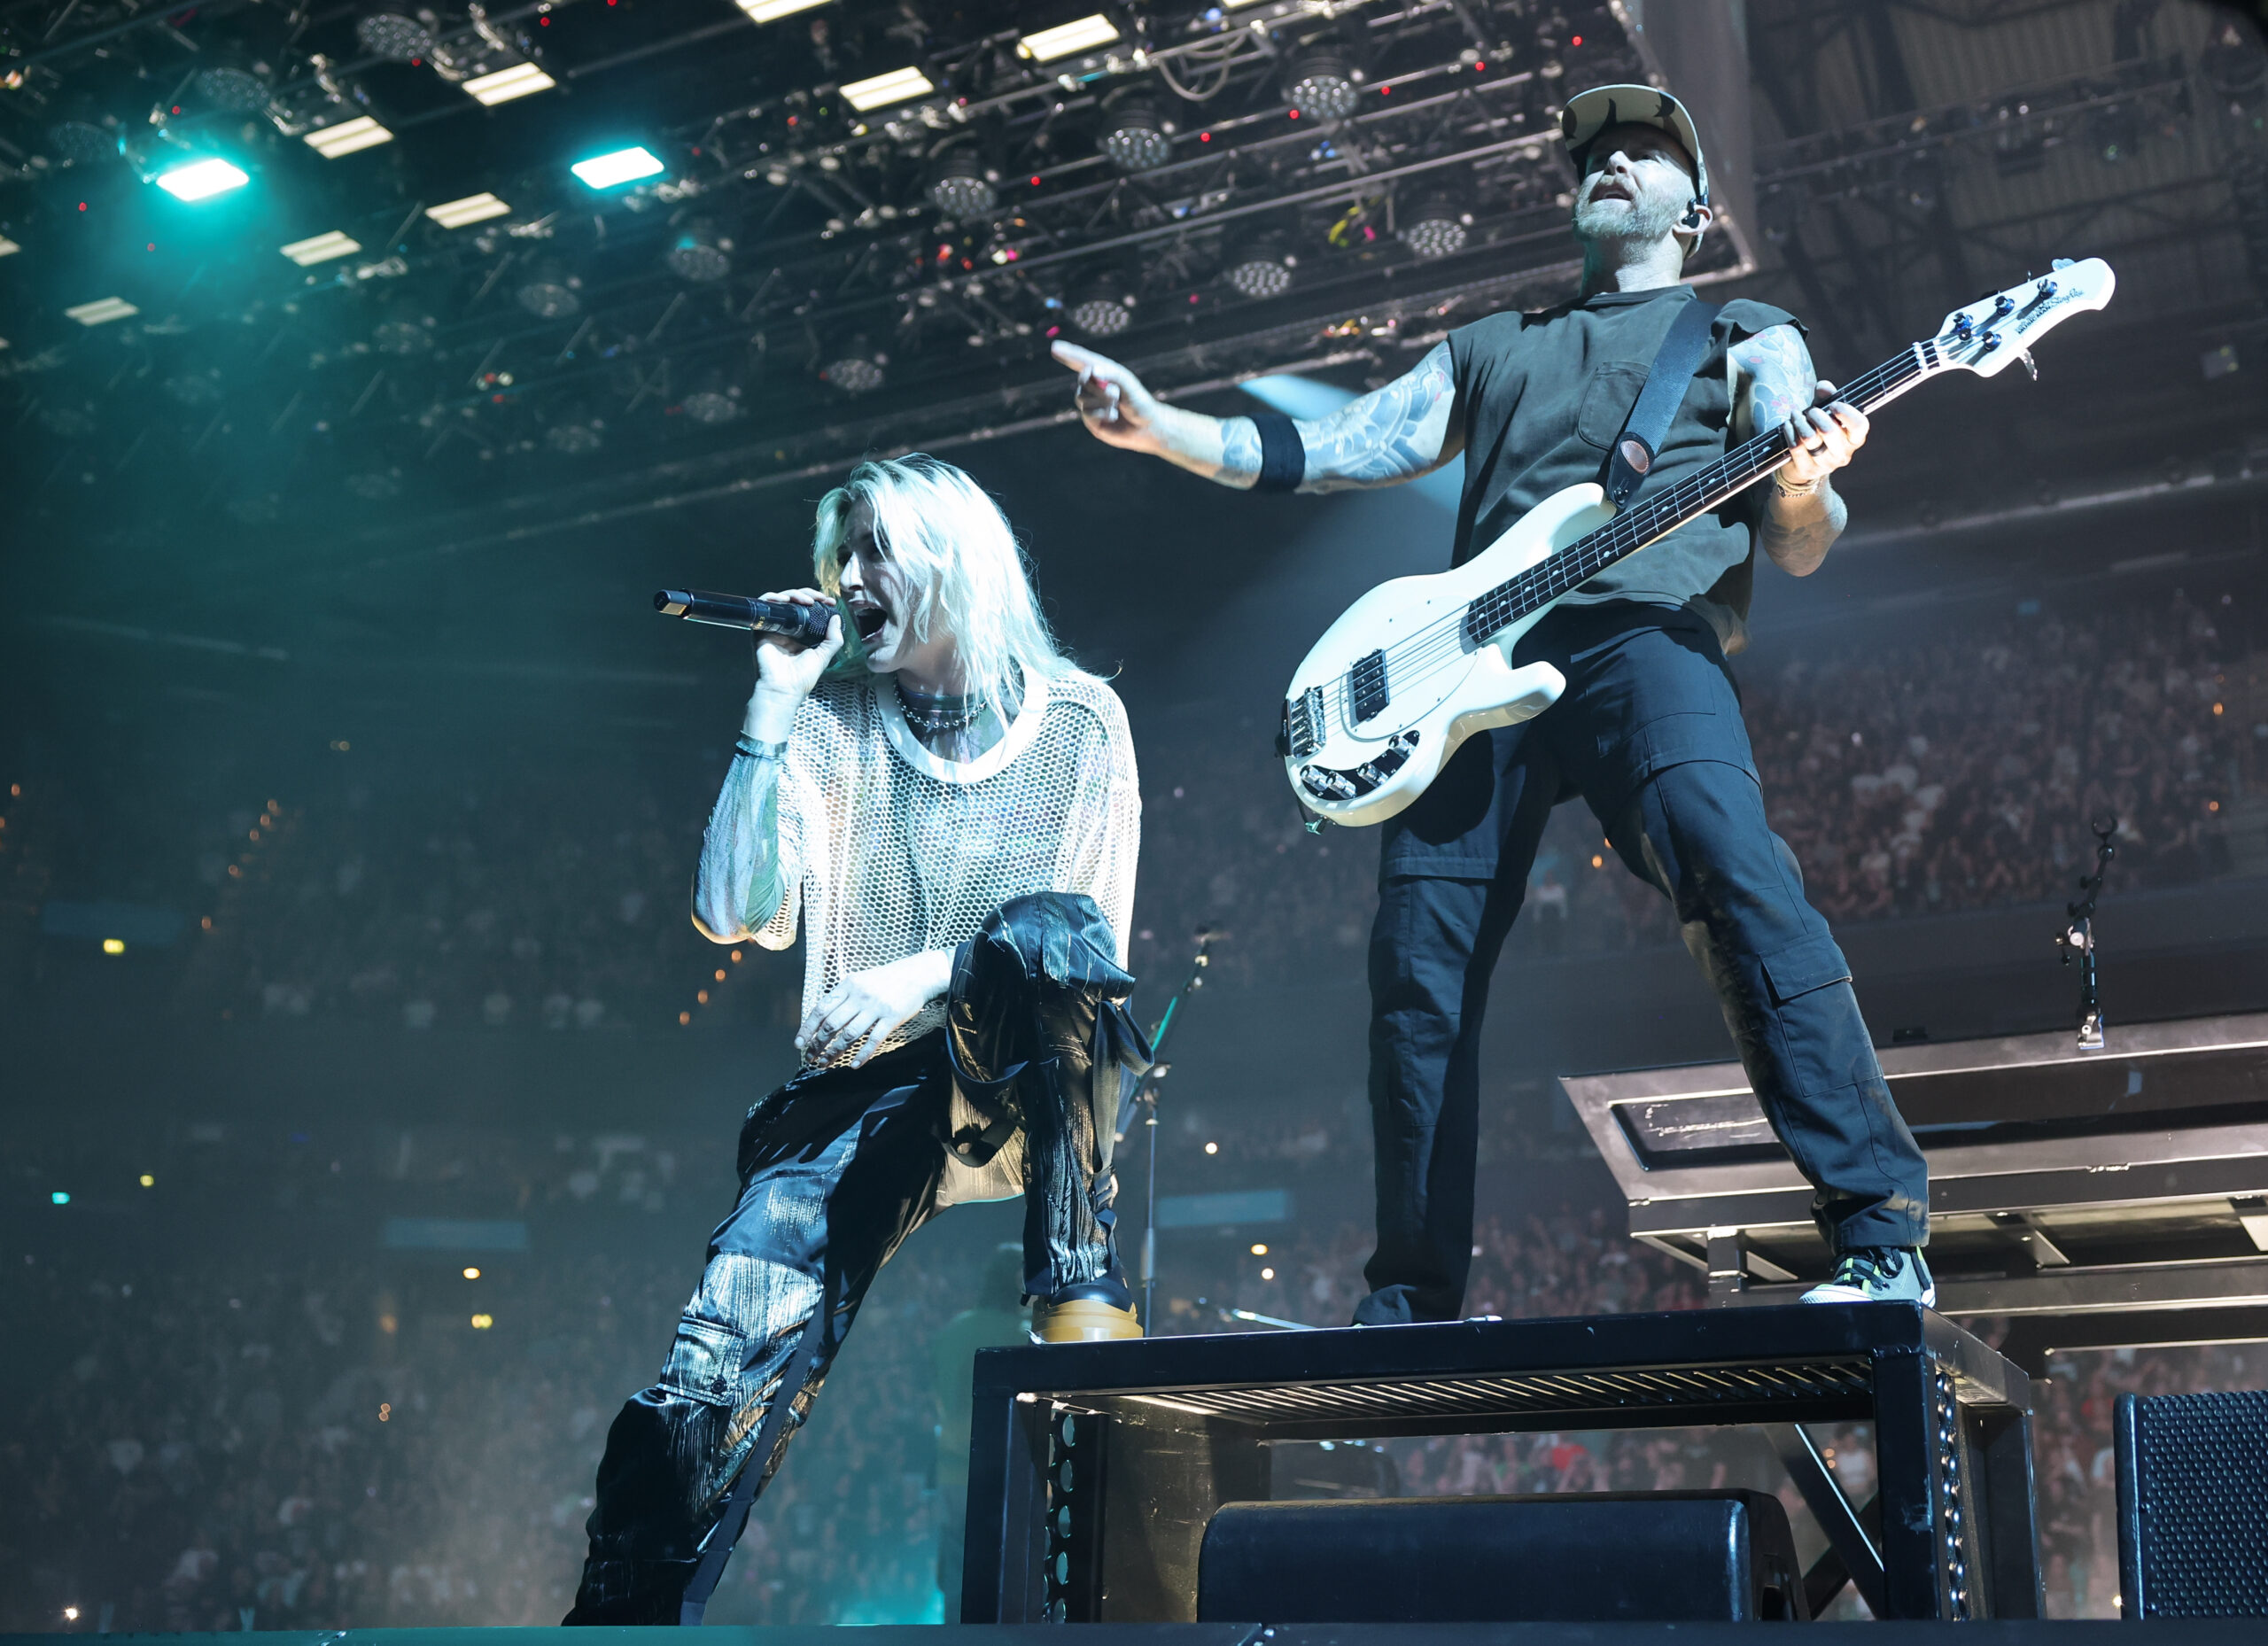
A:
{"x": 805, "y": 624}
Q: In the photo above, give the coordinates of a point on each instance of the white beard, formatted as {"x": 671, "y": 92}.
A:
{"x": 1631, "y": 221}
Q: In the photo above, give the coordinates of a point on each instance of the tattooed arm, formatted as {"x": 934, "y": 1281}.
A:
{"x": 1774, "y": 386}
{"x": 1407, "y": 429}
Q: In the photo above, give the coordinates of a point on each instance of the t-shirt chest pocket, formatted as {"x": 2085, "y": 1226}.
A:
{"x": 1612, "y": 391}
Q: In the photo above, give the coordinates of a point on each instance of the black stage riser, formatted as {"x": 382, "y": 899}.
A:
{"x": 2163, "y": 1632}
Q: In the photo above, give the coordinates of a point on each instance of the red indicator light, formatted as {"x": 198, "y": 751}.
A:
{"x": 82, "y": 206}
{"x": 1295, "y": 114}
{"x": 1577, "y": 41}
{"x": 1204, "y": 137}
{"x": 1479, "y": 68}
{"x": 1035, "y": 182}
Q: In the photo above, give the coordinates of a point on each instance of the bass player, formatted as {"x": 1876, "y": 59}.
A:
{"x": 1649, "y": 731}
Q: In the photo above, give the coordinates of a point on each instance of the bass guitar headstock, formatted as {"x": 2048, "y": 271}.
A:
{"x": 1988, "y": 334}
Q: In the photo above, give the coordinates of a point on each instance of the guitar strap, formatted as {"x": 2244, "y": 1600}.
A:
{"x": 1679, "y": 357}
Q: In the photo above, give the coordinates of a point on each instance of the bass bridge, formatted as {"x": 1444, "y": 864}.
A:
{"x": 1302, "y": 733}
{"x": 1326, "y": 784}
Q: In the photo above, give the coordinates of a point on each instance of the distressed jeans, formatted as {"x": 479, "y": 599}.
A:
{"x": 837, "y": 1168}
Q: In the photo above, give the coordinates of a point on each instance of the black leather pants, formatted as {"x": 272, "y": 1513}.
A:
{"x": 837, "y": 1166}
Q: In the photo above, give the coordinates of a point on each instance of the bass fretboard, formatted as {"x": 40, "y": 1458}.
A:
{"x": 1657, "y": 517}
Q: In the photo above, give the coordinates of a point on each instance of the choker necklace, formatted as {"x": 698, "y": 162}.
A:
{"x": 941, "y": 715}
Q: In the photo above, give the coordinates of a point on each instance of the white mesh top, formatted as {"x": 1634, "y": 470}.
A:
{"x": 886, "y": 849}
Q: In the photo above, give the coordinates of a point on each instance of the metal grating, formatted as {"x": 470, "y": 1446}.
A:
{"x": 2201, "y": 1494}
{"x": 1695, "y": 1389}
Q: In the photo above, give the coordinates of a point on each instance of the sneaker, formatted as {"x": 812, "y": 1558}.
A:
{"x": 1082, "y": 1320}
{"x": 1877, "y": 1274}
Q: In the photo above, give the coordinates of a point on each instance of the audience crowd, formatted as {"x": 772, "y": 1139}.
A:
{"x": 530, "y": 889}
{"x": 291, "y": 1433}
{"x": 1909, "y": 779}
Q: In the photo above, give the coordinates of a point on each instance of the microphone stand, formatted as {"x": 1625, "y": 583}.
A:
{"x": 1145, "y": 1097}
{"x": 2077, "y": 936}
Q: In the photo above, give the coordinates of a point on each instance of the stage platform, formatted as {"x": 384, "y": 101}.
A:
{"x": 2170, "y": 1631}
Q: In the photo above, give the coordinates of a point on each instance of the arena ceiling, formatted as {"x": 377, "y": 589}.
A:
{"x": 855, "y": 226}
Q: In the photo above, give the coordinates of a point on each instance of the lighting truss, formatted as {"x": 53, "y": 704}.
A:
{"x": 474, "y": 208}
{"x": 321, "y": 248}
{"x": 347, "y": 136}
{"x": 519, "y": 80}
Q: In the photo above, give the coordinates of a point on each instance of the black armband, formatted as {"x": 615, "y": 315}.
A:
{"x": 1283, "y": 454}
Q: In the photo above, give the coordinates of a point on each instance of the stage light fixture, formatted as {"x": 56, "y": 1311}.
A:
{"x": 474, "y": 208}
{"x": 519, "y": 80}
{"x": 1136, "y": 134}
{"x": 201, "y": 180}
{"x": 193, "y": 386}
{"x": 404, "y": 328}
{"x": 1261, "y": 269}
{"x": 700, "y": 252}
{"x": 361, "y": 132}
{"x": 883, "y": 90}
{"x": 549, "y": 291}
{"x": 1321, "y": 84}
{"x": 240, "y": 87}
{"x": 82, "y": 142}
{"x": 958, "y": 184}
{"x": 1436, "y": 226}
{"x": 607, "y": 171}
{"x": 575, "y": 431}
{"x": 859, "y": 369}
{"x": 1104, "y": 305}
{"x": 8, "y": 248}
{"x": 713, "y": 399}
{"x": 397, "y": 38}
{"x": 319, "y": 248}
{"x": 1060, "y": 42}
{"x": 772, "y": 11}
{"x": 101, "y": 311}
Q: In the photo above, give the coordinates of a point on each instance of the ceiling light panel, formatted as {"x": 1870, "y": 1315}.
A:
{"x": 519, "y": 80}
{"x": 319, "y": 248}
{"x": 772, "y": 11}
{"x": 1083, "y": 35}
{"x": 604, "y": 171}
{"x": 361, "y": 132}
{"x": 101, "y": 311}
{"x": 201, "y": 180}
{"x": 474, "y": 208}
{"x": 887, "y": 89}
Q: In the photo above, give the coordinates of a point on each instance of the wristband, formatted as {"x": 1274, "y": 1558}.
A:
{"x": 1785, "y": 490}
{"x": 746, "y": 745}
{"x": 1283, "y": 454}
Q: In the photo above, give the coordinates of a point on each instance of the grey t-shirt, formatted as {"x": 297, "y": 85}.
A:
{"x": 1545, "y": 395}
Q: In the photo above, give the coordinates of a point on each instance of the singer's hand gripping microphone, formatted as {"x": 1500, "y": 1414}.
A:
{"x": 804, "y": 624}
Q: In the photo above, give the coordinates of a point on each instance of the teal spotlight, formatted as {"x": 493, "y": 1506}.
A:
{"x": 604, "y": 171}
{"x": 201, "y": 180}
{"x": 60, "y": 1196}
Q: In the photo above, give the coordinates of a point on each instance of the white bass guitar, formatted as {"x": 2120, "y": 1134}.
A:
{"x": 1419, "y": 664}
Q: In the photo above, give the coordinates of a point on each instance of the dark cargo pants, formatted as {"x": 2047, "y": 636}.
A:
{"x": 837, "y": 1166}
{"x": 1649, "y": 733}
